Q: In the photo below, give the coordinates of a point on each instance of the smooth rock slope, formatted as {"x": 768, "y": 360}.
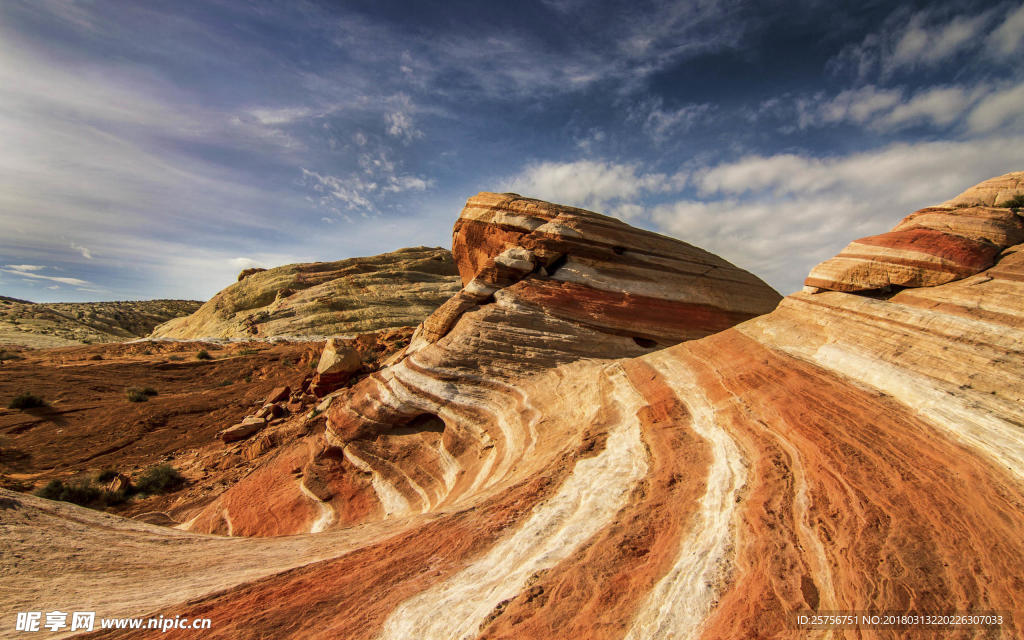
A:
{"x": 842, "y": 452}
{"x": 357, "y": 295}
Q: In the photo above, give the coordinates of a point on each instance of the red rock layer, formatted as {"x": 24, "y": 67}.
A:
{"x": 932, "y": 246}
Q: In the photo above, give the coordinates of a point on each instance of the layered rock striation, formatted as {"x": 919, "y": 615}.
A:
{"x": 932, "y": 246}
{"x": 846, "y": 451}
{"x": 357, "y": 295}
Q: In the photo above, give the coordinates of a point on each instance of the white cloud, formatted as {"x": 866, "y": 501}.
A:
{"x": 86, "y": 253}
{"x": 1002, "y": 108}
{"x": 285, "y": 115}
{"x": 660, "y": 123}
{"x": 406, "y": 183}
{"x": 590, "y": 184}
{"x": 941, "y": 106}
{"x": 25, "y": 267}
{"x": 980, "y": 108}
{"x": 926, "y": 39}
{"x": 1008, "y": 37}
{"x": 780, "y": 215}
{"x": 928, "y": 44}
{"x": 859, "y": 105}
{"x": 37, "y": 276}
{"x": 400, "y": 121}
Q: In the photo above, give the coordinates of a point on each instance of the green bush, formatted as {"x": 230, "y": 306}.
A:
{"x": 26, "y": 400}
{"x": 82, "y": 493}
{"x": 159, "y": 479}
{"x": 203, "y": 355}
{"x": 106, "y": 475}
{"x": 136, "y": 395}
{"x": 1016, "y": 202}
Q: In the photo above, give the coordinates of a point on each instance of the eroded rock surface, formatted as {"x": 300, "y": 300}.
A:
{"x": 933, "y": 246}
{"x": 357, "y": 295}
{"x": 843, "y": 452}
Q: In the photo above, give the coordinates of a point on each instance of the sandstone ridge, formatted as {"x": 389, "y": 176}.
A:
{"x": 526, "y": 469}
{"x": 351, "y": 296}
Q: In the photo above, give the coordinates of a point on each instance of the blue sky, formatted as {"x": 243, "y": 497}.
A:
{"x": 156, "y": 149}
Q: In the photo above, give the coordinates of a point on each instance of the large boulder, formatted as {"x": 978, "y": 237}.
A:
{"x": 338, "y": 361}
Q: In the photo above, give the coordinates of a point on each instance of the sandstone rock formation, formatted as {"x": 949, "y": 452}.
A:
{"x": 337, "y": 364}
{"x": 356, "y": 295}
{"x": 932, "y": 246}
{"x": 842, "y": 452}
{"x": 549, "y": 285}
{"x": 60, "y": 324}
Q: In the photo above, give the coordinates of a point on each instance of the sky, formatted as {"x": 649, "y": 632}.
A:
{"x": 155, "y": 149}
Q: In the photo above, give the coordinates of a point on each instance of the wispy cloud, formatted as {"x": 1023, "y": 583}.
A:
{"x": 39, "y": 276}
{"x": 928, "y": 38}
{"x": 779, "y": 215}
{"x": 597, "y": 185}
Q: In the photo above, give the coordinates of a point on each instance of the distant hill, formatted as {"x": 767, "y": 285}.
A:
{"x": 58, "y": 324}
{"x": 355, "y": 295}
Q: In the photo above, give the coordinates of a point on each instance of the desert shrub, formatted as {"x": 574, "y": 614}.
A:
{"x": 9, "y": 355}
{"x": 174, "y": 358}
{"x": 1016, "y": 202}
{"x": 106, "y": 475}
{"x": 82, "y": 493}
{"x": 159, "y": 479}
{"x": 248, "y": 352}
{"x": 136, "y": 395}
{"x": 313, "y": 363}
{"x": 96, "y": 356}
{"x": 225, "y": 383}
{"x": 79, "y": 492}
{"x": 26, "y": 400}
{"x": 52, "y": 491}
{"x": 203, "y": 355}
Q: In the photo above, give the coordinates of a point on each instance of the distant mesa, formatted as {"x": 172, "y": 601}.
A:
{"x": 352, "y": 296}
{"x": 61, "y": 324}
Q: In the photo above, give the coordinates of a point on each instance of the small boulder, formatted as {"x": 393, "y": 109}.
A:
{"x": 120, "y": 482}
{"x": 278, "y": 394}
{"x": 338, "y": 357}
{"x": 240, "y": 431}
{"x": 337, "y": 364}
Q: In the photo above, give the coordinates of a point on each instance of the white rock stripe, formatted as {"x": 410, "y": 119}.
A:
{"x": 327, "y": 515}
{"x": 597, "y": 489}
{"x": 820, "y": 567}
{"x": 390, "y": 498}
{"x": 938, "y": 402}
{"x": 680, "y": 602}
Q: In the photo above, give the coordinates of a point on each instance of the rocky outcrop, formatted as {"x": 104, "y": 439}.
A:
{"x": 350, "y": 296}
{"x": 61, "y": 324}
{"x": 932, "y": 246}
{"x": 843, "y": 452}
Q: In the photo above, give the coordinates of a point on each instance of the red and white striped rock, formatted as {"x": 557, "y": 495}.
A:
{"x": 841, "y": 453}
{"x": 933, "y": 246}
